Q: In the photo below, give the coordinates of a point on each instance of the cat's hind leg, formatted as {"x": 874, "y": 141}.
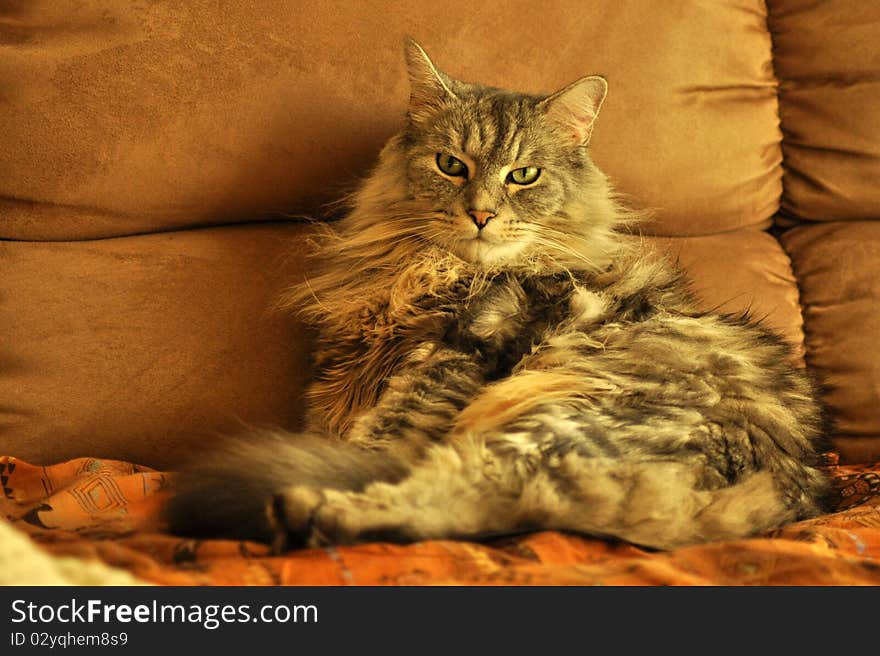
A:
{"x": 468, "y": 492}
{"x": 463, "y": 491}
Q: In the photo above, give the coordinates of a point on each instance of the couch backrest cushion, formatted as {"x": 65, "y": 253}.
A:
{"x": 841, "y": 309}
{"x": 139, "y": 348}
{"x": 827, "y": 59}
{"x": 136, "y": 117}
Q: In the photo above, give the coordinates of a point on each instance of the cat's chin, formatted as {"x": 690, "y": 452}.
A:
{"x": 486, "y": 253}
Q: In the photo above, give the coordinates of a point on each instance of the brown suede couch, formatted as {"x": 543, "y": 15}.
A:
{"x": 155, "y": 158}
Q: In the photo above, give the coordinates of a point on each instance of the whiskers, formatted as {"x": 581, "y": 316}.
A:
{"x": 377, "y": 255}
{"x": 565, "y": 249}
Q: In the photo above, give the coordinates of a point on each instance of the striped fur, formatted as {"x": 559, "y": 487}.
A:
{"x": 545, "y": 371}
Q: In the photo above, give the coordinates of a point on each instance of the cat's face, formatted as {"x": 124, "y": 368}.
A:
{"x": 500, "y": 175}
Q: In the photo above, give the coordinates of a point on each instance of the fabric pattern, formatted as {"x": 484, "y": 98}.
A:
{"x": 109, "y": 510}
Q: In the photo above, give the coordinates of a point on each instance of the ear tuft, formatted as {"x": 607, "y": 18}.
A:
{"x": 428, "y": 85}
{"x": 574, "y": 109}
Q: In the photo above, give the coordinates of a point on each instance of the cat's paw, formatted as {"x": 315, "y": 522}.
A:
{"x": 292, "y": 516}
{"x": 303, "y": 516}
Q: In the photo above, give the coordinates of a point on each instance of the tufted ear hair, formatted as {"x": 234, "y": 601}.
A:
{"x": 574, "y": 109}
{"x": 428, "y": 85}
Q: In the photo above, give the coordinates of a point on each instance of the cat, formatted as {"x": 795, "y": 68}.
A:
{"x": 499, "y": 352}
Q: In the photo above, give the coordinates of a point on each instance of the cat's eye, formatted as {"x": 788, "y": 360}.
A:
{"x": 451, "y": 166}
{"x": 524, "y": 176}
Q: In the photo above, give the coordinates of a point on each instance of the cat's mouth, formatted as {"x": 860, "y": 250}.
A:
{"x": 484, "y": 249}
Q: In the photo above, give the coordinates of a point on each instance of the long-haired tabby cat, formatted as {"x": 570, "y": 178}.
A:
{"x": 498, "y": 355}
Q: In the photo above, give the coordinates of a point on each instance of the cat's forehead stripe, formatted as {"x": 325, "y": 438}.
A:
{"x": 479, "y": 137}
{"x": 493, "y": 129}
{"x": 509, "y": 118}
{"x": 499, "y": 114}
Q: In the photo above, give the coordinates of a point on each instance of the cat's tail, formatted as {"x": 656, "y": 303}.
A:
{"x": 226, "y": 492}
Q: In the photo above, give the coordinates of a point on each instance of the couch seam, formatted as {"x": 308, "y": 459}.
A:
{"x": 775, "y": 229}
{"x": 159, "y": 231}
{"x": 778, "y": 84}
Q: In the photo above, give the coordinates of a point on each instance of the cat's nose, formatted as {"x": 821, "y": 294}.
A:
{"x": 481, "y": 217}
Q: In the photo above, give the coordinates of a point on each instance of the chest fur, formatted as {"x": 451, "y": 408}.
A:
{"x": 358, "y": 351}
{"x": 496, "y": 322}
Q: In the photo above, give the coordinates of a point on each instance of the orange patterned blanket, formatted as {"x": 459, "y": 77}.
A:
{"x": 108, "y": 510}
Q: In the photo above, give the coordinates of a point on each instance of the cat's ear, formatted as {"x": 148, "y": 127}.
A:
{"x": 428, "y": 85}
{"x": 574, "y": 109}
